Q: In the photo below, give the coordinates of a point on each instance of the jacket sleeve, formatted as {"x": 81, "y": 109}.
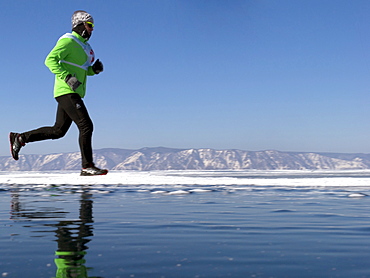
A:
{"x": 58, "y": 53}
{"x": 90, "y": 71}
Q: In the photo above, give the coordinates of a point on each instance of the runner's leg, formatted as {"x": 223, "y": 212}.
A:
{"x": 60, "y": 128}
{"x": 76, "y": 110}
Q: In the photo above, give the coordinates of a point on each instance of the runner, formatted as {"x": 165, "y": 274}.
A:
{"x": 71, "y": 60}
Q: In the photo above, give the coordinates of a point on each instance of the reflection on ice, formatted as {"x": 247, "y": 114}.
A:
{"x": 72, "y": 235}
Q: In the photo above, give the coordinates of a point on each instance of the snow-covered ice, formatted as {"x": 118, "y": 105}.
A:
{"x": 210, "y": 178}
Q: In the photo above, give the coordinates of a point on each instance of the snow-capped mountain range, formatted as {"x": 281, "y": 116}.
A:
{"x": 161, "y": 158}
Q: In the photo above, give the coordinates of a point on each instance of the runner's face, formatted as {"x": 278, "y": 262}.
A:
{"x": 89, "y": 28}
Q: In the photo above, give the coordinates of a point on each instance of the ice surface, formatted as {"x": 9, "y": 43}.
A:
{"x": 189, "y": 178}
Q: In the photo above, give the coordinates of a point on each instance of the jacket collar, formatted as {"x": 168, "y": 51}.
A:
{"x": 79, "y": 37}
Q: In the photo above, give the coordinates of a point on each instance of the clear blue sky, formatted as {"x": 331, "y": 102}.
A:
{"x": 254, "y": 75}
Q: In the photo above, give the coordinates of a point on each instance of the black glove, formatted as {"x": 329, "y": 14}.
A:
{"x": 97, "y": 67}
{"x": 72, "y": 82}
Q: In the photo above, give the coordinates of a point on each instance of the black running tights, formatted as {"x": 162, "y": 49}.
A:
{"x": 70, "y": 108}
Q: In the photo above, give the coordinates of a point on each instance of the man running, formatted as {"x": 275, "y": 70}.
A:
{"x": 71, "y": 60}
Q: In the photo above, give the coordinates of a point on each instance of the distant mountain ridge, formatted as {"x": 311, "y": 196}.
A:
{"x": 162, "y": 158}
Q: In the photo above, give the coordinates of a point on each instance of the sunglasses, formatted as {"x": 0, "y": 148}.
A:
{"x": 90, "y": 24}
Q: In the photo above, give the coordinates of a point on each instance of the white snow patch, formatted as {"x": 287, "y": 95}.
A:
{"x": 357, "y": 195}
{"x": 178, "y": 192}
{"x": 235, "y": 179}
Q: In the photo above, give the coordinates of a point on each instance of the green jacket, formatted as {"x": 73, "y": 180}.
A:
{"x": 71, "y": 55}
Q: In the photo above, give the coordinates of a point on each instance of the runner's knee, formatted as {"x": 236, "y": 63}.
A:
{"x": 86, "y": 127}
{"x": 58, "y": 133}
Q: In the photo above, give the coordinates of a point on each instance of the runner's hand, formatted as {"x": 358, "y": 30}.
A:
{"x": 97, "y": 67}
{"x": 72, "y": 82}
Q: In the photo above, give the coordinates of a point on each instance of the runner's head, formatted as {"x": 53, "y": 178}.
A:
{"x": 82, "y": 23}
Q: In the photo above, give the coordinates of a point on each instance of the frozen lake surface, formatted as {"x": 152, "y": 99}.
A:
{"x": 185, "y": 224}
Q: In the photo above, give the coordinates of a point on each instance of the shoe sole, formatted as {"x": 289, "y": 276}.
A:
{"x": 87, "y": 174}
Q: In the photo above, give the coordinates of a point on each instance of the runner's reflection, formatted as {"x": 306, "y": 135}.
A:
{"x": 72, "y": 236}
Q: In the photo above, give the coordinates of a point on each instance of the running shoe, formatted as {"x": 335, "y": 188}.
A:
{"x": 16, "y": 143}
{"x": 93, "y": 171}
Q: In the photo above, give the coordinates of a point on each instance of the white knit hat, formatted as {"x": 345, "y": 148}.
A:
{"x": 79, "y": 17}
